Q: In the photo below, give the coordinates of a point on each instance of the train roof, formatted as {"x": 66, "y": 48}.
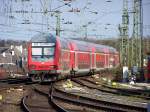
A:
{"x": 44, "y": 38}
{"x": 82, "y": 45}
{"x": 77, "y": 45}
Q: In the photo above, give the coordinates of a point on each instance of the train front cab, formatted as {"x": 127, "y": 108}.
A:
{"x": 42, "y": 56}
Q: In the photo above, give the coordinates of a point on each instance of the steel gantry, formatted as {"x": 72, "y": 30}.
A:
{"x": 124, "y": 49}
{"x": 137, "y": 36}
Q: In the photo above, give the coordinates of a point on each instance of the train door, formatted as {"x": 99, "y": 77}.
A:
{"x": 72, "y": 59}
{"x": 106, "y": 60}
{"x": 76, "y": 61}
{"x": 111, "y": 60}
{"x": 93, "y": 59}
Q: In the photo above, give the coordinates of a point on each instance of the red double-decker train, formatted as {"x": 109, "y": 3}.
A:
{"x": 147, "y": 74}
{"x": 51, "y": 57}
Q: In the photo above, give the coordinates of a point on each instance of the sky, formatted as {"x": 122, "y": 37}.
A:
{"x": 22, "y": 19}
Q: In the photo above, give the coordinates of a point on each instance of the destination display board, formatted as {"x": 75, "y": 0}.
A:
{"x": 43, "y": 44}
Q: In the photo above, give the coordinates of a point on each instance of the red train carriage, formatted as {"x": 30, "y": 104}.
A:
{"x": 147, "y": 75}
{"x": 52, "y": 57}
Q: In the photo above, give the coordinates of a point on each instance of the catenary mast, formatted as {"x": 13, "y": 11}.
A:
{"x": 137, "y": 36}
{"x": 124, "y": 35}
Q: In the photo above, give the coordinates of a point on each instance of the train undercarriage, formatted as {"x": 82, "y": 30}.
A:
{"x": 43, "y": 76}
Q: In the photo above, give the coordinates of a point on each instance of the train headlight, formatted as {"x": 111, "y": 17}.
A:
{"x": 55, "y": 66}
{"x": 32, "y": 66}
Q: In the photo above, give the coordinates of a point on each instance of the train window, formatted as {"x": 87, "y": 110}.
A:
{"x": 42, "y": 54}
{"x": 36, "y": 51}
{"x": 49, "y": 51}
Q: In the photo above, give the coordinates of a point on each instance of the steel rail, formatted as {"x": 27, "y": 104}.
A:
{"x": 125, "y": 92}
{"x": 48, "y": 95}
{"x": 94, "y": 103}
{"x": 23, "y": 105}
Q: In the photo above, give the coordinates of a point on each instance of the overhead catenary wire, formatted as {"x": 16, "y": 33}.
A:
{"x": 51, "y": 9}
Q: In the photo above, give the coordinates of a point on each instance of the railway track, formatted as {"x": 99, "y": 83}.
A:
{"x": 6, "y": 85}
{"x": 40, "y": 100}
{"x": 94, "y": 103}
{"x": 21, "y": 80}
{"x": 49, "y": 98}
{"x": 45, "y": 98}
{"x": 144, "y": 94}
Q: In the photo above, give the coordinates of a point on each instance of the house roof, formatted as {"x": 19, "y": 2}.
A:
{"x": 3, "y": 49}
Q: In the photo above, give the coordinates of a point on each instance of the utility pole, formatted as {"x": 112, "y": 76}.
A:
{"x": 124, "y": 35}
{"x": 137, "y": 36}
{"x": 58, "y": 23}
{"x": 85, "y": 26}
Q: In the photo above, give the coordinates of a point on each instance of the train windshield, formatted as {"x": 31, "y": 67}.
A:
{"x": 42, "y": 52}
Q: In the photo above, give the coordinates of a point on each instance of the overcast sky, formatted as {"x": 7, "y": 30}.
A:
{"x": 101, "y": 17}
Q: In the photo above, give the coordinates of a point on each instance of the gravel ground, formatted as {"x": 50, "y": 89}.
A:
{"x": 10, "y": 97}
